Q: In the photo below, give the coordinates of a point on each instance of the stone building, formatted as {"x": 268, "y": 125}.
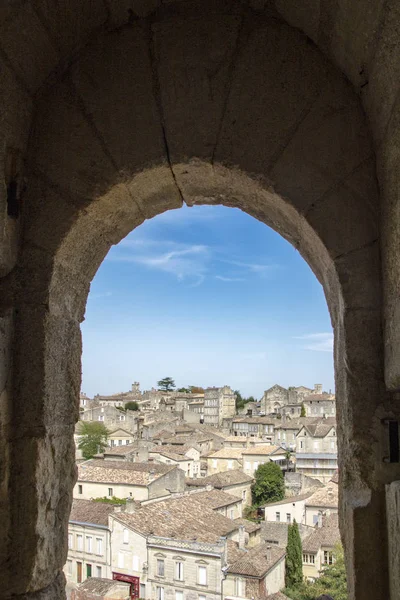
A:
{"x": 258, "y": 455}
{"x": 322, "y": 502}
{"x": 320, "y": 405}
{"x": 316, "y": 450}
{"x": 225, "y": 459}
{"x": 99, "y": 478}
{"x": 234, "y": 482}
{"x": 255, "y": 572}
{"x": 313, "y": 153}
{"x": 318, "y": 548}
{"x": 219, "y": 404}
{"x": 273, "y": 399}
{"x": 89, "y": 547}
{"x": 101, "y": 589}
{"x": 248, "y": 426}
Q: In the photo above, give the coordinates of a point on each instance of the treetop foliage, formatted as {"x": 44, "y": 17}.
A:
{"x": 167, "y": 384}
{"x": 131, "y": 405}
{"x": 269, "y": 485}
{"x": 294, "y": 557}
{"x": 94, "y": 435}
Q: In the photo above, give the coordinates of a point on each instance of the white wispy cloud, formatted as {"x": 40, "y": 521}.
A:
{"x": 249, "y": 266}
{"x": 321, "y": 342}
{"x": 185, "y": 262}
{"x": 229, "y": 279}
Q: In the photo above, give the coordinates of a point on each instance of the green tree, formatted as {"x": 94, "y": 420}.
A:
{"x": 269, "y": 484}
{"x": 303, "y": 411}
{"x": 167, "y": 384}
{"x": 288, "y": 456}
{"x": 185, "y": 390}
{"x": 132, "y": 405}
{"x": 294, "y": 557}
{"x": 333, "y": 578}
{"x": 93, "y": 439}
{"x": 239, "y": 400}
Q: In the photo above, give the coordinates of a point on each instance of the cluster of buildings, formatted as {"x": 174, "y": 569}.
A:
{"x": 160, "y": 513}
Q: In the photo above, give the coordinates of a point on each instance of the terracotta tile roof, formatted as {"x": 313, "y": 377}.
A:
{"x": 216, "y": 498}
{"x": 222, "y": 480}
{"x": 255, "y": 420}
{"x": 328, "y": 496}
{"x": 256, "y": 561}
{"x": 289, "y": 500}
{"x": 249, "y": 526}
{"x": 121, "y": 450}
{"x": 178, "y": 457}
{"x": 170, "y": 448}
{"x": 228, "y": 453}
{"x": 88, "y": 511}
{"x": 184, "y": 518}
{"x": 108, "y": 471}
{"x": 264, "y": 450}
{"x": 100, "y": 587}
{"x": 326, "y": 536}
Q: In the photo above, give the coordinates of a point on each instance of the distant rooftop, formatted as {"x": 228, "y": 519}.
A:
{"x": 222, "y": 480}
{"x": 108, "y": 471}
{"x": 89, "y": 511}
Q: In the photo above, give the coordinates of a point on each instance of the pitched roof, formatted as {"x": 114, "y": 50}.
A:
{"x": 249, "y": 526}
{"x": 121, "y": 450}
{"x": 319, "y": 429}
{"x": 109, "y": 471}
{"x": 327, "y": 496}
{"x": 222, "y": 480}
{"x": 96, "y": 585}
{"x": 289, "y": 500}
{"x": 216, "y": 498}
{"x": 228, "y": 453}
{"x": 256, "y": 561}
{"x": 89, "y": 511}
{"x": 264, "y": 450}
{"x": 185, "y": 518}
{"x": 176, "y": 456}
{"x": 326, "y": 536}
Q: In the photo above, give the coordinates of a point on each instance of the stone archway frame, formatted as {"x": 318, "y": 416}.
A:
{"x": 253, "y": 118}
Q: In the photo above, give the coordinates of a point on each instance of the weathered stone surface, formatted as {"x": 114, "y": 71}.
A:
{"x": 193, "y": 61}
{"x": 251, "y": 137}
{"x": 14, "y": 126}
{"x": 334, "y": 219}
{"x": 132, "y": 133}
{"x": 69, "y": 24}
{"x": 383, "y": 71}
{"x": 28, "y": 47}
{"x": 79, "y": 164}
{"x": 308, "y": 167}
{"x": 51, "y": 592}
{"x": 393, "y": 529}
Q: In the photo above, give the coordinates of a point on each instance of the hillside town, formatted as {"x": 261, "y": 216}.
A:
{"x": 167, "y": 504}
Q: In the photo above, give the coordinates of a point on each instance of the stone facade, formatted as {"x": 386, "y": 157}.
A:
{"x": 219, "y": 404}
{"x": 273, "y": 399}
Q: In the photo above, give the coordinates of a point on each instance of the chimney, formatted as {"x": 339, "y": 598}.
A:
{"x": 151, "y": 475}
{"x": 131, "y": 505}
{"x": 268, "y": 554}
{"x": 242, "y": 540}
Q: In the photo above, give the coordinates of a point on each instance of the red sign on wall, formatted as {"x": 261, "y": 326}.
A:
{"x": 134, "y": 581}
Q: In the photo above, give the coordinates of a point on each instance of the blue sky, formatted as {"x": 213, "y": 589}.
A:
{"x": 208, "y": 296}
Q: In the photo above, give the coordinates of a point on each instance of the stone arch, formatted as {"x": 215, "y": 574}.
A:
{"x": 208, "y": 110}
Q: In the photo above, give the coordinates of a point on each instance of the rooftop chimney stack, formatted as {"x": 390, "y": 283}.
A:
{"x": 268, "y": 554}
{"x": 242, "y": 540}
